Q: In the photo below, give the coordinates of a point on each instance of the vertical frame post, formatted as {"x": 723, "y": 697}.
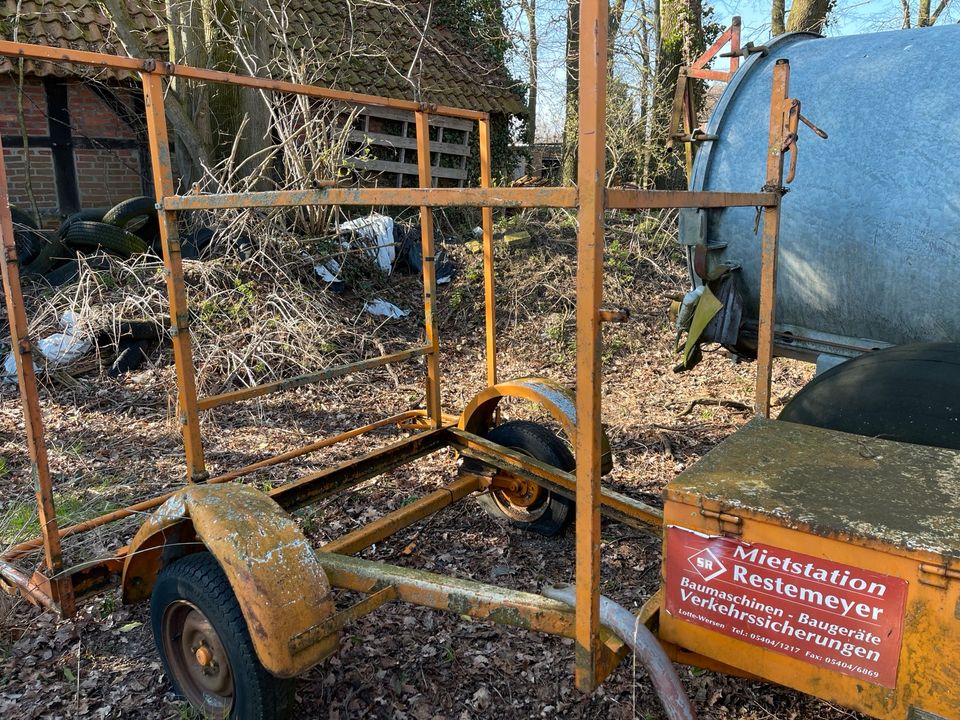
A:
{"x": 176, "y": 291}
{"x": 429, "y": 273}
{"x": 689, "y": 123}
{"x": 489, "y": 286}
{"x": 591, "y": 174}
{"x": 779, "y": 113}
{"x": 61, "y": 588}
{"x": 735, "y": 28}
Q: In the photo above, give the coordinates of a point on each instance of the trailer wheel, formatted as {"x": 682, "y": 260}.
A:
{"x": 206, "y": 649}
{"x": 531, "y": 507}
{"x": 908, "y": 393}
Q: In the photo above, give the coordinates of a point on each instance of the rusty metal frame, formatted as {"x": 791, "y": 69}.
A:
{"x": 683, "y": 123}
{"x": 780, "y": 130}
{"x": 596, "y": 652}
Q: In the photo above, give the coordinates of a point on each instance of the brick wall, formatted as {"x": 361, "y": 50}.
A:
{"x": 44, "y": 190}
{"x": 107, "y": 176}
{"x": 103, "y": 175}
{"x": 92, "y": 118}
{"x": 34, "y": 107}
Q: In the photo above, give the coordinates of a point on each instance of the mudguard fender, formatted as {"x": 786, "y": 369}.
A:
{"x": 281, "y": 588}
{"x": 556, "y": 399}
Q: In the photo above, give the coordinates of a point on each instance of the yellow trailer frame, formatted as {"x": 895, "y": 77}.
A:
{"x": 135, "y": 566}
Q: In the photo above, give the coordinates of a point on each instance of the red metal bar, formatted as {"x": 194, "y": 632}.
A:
{"x": 649, "y": 199}
{"x": 407, "y": 515}
{"x": 31, "y": 590}
{"x": 176, "y": 291}
{"x": 735, "y": 28}
{"x": 29, "y": 397}
{"x": 707, "y": 74}
{"x": 489, "y": 282}
{"x": 711, "y": 52}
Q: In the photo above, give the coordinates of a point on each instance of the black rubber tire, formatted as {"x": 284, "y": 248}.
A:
{"x": 551, "y": 514}
{"x": 149, "y": 232}
{"x": 63, "y": 275}
{"x": 132, "y": 214}
{"x": 130, "y": 356}
{"x": 21, "y": 217}
{"x": 909, "y": 393}
{"x": 29, "y": 240}
{"x": 88, "y": 234}
{"x": 149, "y": 330}
{"x": 198, "y": 579}
{"x": 53, "y": 254}
{"x": 92, "y": 214}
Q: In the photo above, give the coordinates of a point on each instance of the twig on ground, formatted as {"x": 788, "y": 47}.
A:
{"x": 719, "y": 402}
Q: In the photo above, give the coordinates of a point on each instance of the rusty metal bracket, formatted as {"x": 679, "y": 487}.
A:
{"x": 729, "y": 524}
{"x": 937, "y": 575}
{"x": 615, "y": 315}
{"x": 746, "y": 51}
{"x": 332, "y": 625}
{"x": 695, "y": 136}
{"x": 794, "y": 118}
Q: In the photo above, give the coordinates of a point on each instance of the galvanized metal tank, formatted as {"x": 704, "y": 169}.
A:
{"x": 870, "y": 232}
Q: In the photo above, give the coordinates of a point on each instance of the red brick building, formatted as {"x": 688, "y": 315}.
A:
{"x": 82, "y": 152}
{"x": 86, "y": 140}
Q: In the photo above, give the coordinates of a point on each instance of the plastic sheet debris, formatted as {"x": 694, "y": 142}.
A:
{"x": 328, "y": 271}
{"x": 58, "y": 349}
{"x": 384, "y": 308}
{"x": 378, "y": 228}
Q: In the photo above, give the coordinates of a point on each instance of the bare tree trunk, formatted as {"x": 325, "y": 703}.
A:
{"x": 193, "y": 149}
{"x": 777, "y": 18}
{"x": 810, "y": 15}
{"x": 529, "y": 8}
{"x": 614, "y": 20}
{"x": 925, "y": 18}
{"x": 681, "y": 41}
{"x": 573, "y": 85}
{"x": 240, "y": 119}
{"x": 647, "y": 87}
{"x": 905, "y": 5}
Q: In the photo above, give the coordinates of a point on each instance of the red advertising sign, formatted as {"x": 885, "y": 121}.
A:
{"x": 836, "y": 616}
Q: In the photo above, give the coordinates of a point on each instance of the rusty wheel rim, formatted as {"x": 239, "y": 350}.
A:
{"x": 197, "y": 659}
{"x": 527, "y": 502}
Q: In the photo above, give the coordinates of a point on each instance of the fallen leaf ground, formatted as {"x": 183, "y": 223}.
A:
{"x": 114, "y": 441}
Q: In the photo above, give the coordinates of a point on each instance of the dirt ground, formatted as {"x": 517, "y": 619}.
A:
{"x": 112, "y": 441}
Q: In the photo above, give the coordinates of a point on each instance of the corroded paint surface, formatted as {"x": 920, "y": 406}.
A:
{"x": 556, "y": 399}
{"x": 281, "y": 588}
{"x": 833, "y": 483}
{"x": 442, "y": 592}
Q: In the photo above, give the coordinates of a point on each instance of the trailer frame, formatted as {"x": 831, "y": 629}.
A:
{"x": 597, "y": 651}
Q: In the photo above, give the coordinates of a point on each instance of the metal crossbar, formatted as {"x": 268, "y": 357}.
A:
{"x": 212, "y": 401}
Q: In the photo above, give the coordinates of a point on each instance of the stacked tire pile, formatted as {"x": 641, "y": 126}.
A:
{"x": 125, "y": 230}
